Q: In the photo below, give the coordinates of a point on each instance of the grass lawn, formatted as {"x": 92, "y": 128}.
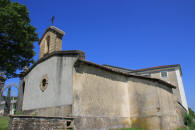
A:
{"x": 4, "y": 123}
{"x": 128, "y": 129}
{"x": 131, "y": 129}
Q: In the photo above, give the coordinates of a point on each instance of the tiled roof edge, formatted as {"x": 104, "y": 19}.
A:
{"x": 116, "y": 67}
{"x": 157, "y": 67}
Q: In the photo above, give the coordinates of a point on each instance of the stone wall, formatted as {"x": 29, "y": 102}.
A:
{"x": 40, "y": 123}
{"x": 180, "y": 112}
{"x": 100, "y": 99}
{"x": 172, "y": 78}
{"x": 99, "y": 92}
{"x": 114, "y": 101}
{"x": 151, "y": 105}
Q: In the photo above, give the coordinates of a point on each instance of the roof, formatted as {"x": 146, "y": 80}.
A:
{"x": 158, "y": 67}
{"x": 146, "y": 69}
{"x": 78, "y": 53}
{"x": 116, "y": 67}
{"x": 124, "y": 73}
{"x": 81, "y": 57}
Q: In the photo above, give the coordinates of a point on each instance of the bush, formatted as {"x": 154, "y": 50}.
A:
{"x": 19, "y": 113}
{"x": 189, "y": 120}
{"x": 191, "y": 112}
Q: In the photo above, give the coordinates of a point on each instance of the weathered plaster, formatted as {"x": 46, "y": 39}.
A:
{"x": 59, "y": 90}
{"x": 103, "y": 96}
{"x": 181, "y": 89}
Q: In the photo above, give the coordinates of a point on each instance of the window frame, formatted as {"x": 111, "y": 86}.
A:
{"x": 166, "y": 75}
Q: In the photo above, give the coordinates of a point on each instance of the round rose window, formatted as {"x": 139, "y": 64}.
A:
{"x": 44, "y": 83}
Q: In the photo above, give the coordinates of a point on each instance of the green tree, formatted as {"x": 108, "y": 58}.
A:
{"x": 191, "y": 112}
{"x": 17, "y": 36}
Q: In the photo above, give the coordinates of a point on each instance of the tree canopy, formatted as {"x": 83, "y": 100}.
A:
{"x": 17, "y": 36}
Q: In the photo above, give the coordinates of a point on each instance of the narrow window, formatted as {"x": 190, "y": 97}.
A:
{"x": 48, "y": 43}
{"x": 23, "y": 87}
{"x": 164, "y": 74}
{"x": 68, "y": 123}
{"x": 46, "y": 48}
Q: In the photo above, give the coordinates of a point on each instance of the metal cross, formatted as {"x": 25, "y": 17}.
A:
{"x": 52, "y": 19}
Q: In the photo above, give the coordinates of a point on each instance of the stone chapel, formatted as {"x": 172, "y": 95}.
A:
{"x": 65, "y": 87}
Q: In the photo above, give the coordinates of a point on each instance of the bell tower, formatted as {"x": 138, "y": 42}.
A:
{"x": 51, "y": 41}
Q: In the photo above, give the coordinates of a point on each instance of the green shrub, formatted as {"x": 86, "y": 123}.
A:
{"x": 189, "y": 121}
{"x": 19, "y": 113}
{"x": 191, "y": 112}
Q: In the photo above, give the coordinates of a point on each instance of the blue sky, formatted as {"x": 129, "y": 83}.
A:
{"x": 128, "y": 33}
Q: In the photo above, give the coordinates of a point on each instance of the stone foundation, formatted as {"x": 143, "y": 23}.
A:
{"x": 101, "y": 123}
{"x": 59, "y": 111}
{"x": 40, "y": 123}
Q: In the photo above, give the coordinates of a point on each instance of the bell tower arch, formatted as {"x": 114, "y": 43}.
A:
{"x": 51, "y": 41}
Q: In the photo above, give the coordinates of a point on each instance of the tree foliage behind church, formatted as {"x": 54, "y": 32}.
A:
{"x": 17, "y": 36}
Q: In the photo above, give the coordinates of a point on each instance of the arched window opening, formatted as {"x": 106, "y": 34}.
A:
{"x": 68, "y": 123}
{"x": 23, "y": 87}
{"x": 44, "y": 83}
{"x": 47, "y": 43}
